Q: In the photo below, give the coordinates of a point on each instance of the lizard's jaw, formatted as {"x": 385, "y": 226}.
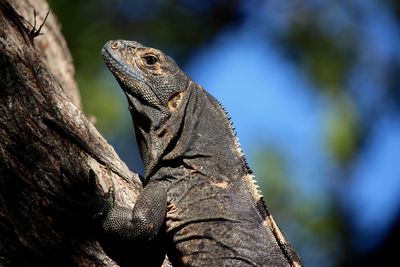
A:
{"x": 128, "y": 75}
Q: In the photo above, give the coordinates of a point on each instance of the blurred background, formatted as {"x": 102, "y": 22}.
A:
{"x": 313, "y": 88}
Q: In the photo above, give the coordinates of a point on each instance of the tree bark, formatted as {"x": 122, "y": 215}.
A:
{"x": 55, "y": 166}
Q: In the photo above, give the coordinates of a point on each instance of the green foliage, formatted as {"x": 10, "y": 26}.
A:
{"x": 321, "y": 55}
{"x": 103, "y": 100}
{"x": 343, "y": 130}
{"x": 86, "y": 29}
{"x": 328, "y": 56}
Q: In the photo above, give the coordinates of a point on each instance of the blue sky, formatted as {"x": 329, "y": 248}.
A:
{"x": 374, "y": 190}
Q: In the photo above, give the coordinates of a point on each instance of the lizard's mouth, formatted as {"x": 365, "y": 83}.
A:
{"x": 116, "y": 61}
{"x": 131, "y": 80}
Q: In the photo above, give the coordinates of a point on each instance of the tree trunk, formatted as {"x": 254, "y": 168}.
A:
{"x": 55, "y": 167}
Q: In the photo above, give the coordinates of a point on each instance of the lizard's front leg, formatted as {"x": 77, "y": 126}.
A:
{"x": 144, "y": 221}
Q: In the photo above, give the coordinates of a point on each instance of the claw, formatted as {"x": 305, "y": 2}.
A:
{"x": 111, "y": 194}
{"x": 109, "y": 203}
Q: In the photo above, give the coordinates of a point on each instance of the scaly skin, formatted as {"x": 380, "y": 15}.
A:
{"x": 199, "y": 196}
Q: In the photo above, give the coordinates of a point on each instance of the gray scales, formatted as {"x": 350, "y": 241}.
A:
{"x": 200, "y": 204}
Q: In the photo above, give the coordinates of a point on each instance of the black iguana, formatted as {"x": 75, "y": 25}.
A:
{"x": 198, "y": 188}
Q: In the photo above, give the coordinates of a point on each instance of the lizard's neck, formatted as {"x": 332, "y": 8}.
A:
{"x": 202, "y": 135}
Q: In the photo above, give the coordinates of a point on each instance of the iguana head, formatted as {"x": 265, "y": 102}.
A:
{"x": 154, "y": 86}
{"x": 146, "y": 74}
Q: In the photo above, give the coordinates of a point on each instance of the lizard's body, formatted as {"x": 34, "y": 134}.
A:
{"x": 197, "y": 182}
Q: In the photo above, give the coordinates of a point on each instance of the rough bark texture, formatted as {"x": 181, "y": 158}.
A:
{"x": 54, "y": 165}
{"x": 51, "y": 44}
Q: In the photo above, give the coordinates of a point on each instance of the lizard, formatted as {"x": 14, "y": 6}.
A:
{"x": 199, "y": 196}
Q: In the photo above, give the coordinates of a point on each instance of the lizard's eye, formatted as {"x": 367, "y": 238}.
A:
{"x": 150, "y": 60}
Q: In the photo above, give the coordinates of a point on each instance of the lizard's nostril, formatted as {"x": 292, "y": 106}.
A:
{"x": 115, "y": 45}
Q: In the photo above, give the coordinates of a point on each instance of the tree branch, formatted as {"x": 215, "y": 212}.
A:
{"x": 55, "y": 166}
{"x": 50, "y": 44}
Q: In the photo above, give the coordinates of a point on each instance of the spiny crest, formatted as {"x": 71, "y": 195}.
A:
{"x": 269, "y": 221}
{"x": 237, "y": 144}
{"x": 255, "y": 191}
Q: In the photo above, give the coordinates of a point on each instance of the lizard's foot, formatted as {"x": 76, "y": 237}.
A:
{"x": 109, "y": 203}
